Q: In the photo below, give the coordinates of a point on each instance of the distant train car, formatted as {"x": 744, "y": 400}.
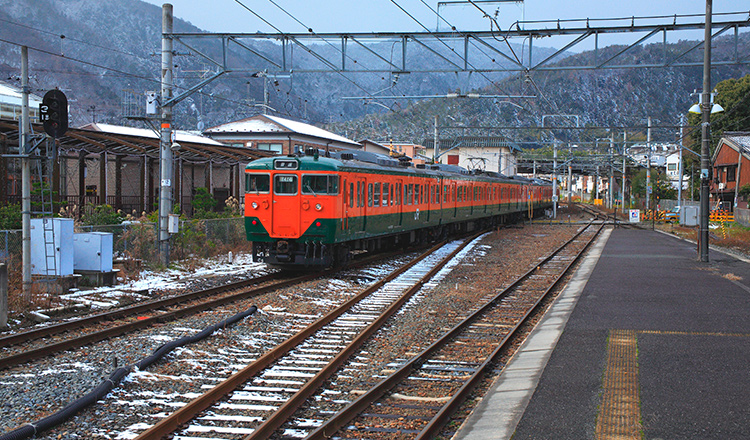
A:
{"x": 309, "y": 211}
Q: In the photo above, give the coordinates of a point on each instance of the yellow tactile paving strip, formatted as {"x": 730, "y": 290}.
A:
{"x": 620, "y": 412}
{"x": 659, "y": 332}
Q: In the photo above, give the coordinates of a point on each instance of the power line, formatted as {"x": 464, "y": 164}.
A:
{"x": 445, "y": 44}
{"x": 61, "y": 36}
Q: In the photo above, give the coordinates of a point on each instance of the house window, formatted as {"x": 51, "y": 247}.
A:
{"x": 276, "y": 148}
{"x": 672, "y": 166}
{"x": 453, "y": 159}
{"x": 731, "y": 173}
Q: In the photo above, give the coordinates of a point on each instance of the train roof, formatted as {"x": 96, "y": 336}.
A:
{"x": 362, "y": 160}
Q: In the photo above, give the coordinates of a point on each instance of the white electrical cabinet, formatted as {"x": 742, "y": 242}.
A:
{"x": 689, "y": 215}
{"x": 93, "y": 251}
{"x": 57, "y": 241}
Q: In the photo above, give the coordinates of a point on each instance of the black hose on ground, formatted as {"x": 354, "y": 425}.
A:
{"x": 32, "y": 429}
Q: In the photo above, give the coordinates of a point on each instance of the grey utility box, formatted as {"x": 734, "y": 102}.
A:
{"x": 93, "y": 251}
{"x": 60, "y": 235}
{"x": 689, "y": 215}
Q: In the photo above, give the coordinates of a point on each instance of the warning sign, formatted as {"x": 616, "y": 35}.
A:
{"x": 635, "y": 215}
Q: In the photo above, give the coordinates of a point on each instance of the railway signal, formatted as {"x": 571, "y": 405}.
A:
{"x": 53, "y": 112}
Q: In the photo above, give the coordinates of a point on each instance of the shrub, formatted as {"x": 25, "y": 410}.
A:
{"x": 101, "y": 215}
{"x": 10, "y": 216}
{"x": 203, "y": 202}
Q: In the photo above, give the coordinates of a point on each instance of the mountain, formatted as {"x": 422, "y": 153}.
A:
{"x": 105, "y": 55}
{"x": 618, "y": 97}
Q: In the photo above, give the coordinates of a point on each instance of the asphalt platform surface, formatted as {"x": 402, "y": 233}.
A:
{"x": 689, "y": 323}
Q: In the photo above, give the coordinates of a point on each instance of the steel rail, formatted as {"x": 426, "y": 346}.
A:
{"x": 347, "y": 414}
{"x": 89, "y": 338}
{"x": 16, "y": 359}
{"x": 50, "y": 330}
{"x": 287, "y": 410}
{"x": 443, "y": 416}
{"x": 188, "y": 412}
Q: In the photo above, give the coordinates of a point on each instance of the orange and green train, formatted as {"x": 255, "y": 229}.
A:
{"x": 311, "y": 211}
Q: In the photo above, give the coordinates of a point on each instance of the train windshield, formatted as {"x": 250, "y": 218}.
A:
{"x": 285, "y": 184}
{"x": 257, "y": 183}
{"x": 317, "y": 184}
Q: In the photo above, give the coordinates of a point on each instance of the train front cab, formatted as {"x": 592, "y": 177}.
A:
{"x": 290, "y": 213}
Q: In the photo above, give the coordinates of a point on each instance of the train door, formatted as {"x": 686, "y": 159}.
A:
{"x": 286, "y": 206}
{"x": 472, "y": 196}
{"x": 454, "y": 198}
{"x": 347, "y": 205}
{"x": 429, "y": 199}
{"x": 485, "y": 197}
{"x": 399, "y": 194}
{"x": 363, "y": 203}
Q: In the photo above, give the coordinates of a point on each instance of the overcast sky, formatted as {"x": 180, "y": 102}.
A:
{"x": 385, "y": 15}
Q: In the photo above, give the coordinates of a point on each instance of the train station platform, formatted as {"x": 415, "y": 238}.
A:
{"x": 645, "y": 342}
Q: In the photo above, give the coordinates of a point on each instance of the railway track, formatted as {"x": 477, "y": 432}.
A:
{"x": 45, "y": 341}
{"x": 275, "y": 396}
{"x": 418, "y": 399}
{"x": 281, "y": 379}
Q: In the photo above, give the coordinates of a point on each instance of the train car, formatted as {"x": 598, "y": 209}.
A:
{"x": 314, "y": 210}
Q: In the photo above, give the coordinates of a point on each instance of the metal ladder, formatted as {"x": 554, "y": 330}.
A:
{"x": 44, "y": 206}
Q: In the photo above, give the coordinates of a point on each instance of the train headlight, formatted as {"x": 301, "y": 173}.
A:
{"x": 254, "y": 205}
{"x": 318, "y": 207}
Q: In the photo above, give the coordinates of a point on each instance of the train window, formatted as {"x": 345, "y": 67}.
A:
{"x": 359, "y": 194}
{"x": 416, "y": 194}
{"x": 351, "y": 193}
{"x": 386, "y": 190}
{"x": 369, "y": 194}
{"x": 316, "y": 184}
{"x": 257, "y": 183}
{"x": 445, "y": 193}
{"x": 285, "y": 184}
{"x": 362, "y": 195}
{"x": 376, "y": 198}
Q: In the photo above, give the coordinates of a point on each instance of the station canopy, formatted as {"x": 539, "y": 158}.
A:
{"x": 128, "y": 141}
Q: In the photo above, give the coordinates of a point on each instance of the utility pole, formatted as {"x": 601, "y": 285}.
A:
{"x": 624, "y": 155}
{"x": 705, "y": 135}
{"x": 649, "y": 190}
{"x": 610, "y": 193}
{"x": 165, "y": 144}
{"x": 679, "y": 166}
{"x": 436, "y": 149}
{"x": 25, "y": 176}
{"x": 554, "y": 183}
{"x": 570, "y": 174}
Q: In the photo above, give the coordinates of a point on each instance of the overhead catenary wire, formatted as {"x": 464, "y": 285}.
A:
{"x": 494, "y": 84}
{"x": 313, "y": 53}
{"x": 518, "y": 60}
{"x": 445, "y": 44}
{"x": 67, "y": 37}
